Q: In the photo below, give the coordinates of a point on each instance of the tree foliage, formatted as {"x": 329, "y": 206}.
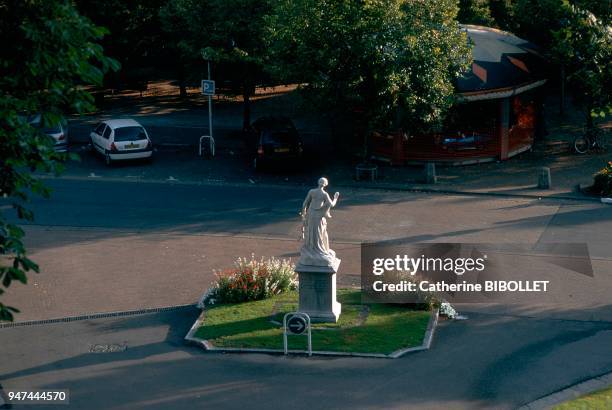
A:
{"x": 134, "y": 38}
{"x": 475, "y": 12}
{"x": 395, "y": 61}
{"x": 578, "y": 36}
{"x": 227, "y": 32}
{"x": 583, "y": 44}
{"x": 48, "y": 50}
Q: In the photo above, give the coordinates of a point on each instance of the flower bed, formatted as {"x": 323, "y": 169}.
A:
{"x": 251, "y": 279}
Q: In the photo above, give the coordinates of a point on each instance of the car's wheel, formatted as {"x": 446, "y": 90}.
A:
{"x": 92, "y": 148}
{"x": 108, "y": 160}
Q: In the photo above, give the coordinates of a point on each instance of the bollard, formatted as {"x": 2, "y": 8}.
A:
{"x": 366, "y": 171}
{"x": 544, "y": 181}
{"x": 430, "y": 173}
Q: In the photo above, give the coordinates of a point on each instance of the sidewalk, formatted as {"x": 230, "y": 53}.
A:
{"x": 515, "y": 177}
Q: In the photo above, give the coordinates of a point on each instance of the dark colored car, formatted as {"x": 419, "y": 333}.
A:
{"x": 462, "y": 142}
{"x": 273, "y": 139}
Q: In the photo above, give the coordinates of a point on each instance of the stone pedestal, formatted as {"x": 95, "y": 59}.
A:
{"x": 318, "y": 292}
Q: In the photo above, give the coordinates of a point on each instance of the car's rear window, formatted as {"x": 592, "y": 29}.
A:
{"x": 54, "y": 129}
{"x": 130, "y": 134}
{"x": 279, "y": 137}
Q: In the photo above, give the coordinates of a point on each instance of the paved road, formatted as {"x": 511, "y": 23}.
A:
{"x": 107, "y": 246}
{"x": 488, "y": 361}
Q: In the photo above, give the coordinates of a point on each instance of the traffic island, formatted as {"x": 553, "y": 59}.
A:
{"x": 372, "y": 330}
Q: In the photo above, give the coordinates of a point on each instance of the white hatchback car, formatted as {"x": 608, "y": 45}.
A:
{"x": 121, "y": 139}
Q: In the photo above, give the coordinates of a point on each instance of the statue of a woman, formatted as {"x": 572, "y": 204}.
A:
{"x": 316, "y": 250}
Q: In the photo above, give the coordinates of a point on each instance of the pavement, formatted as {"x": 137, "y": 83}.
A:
{"x": 493, "y": 362}
{"x": 151, "y": 242}
{"x": 137, "y": 236}
{"x": 107, "y": 245}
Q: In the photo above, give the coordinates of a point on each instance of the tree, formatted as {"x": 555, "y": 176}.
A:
{"x": 48, "y": 52}
{"x": 577, "y": 38}
{"x": 178, "y": 41}
{"x": 395, "y": 61}
{"x": 502, "y": 12}
{"x": 227, "y": 32}
{"x": 134, "y": 38}
{"x": 583, "y": 44}
{"x": 475, "y": 12}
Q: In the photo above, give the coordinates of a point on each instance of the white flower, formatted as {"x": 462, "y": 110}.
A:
{"x": 207, "y": 297}
{"x": 448, "y": 310}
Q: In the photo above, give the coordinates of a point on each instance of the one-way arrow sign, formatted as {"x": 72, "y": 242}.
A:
{"x": 296, "y": 325}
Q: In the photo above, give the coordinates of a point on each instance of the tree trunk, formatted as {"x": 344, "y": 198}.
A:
{"x": 562, "y": 102}
{"x": 589, "y": 118}
{"x": 246, "y": 114}
{"x": 182, "y": 83}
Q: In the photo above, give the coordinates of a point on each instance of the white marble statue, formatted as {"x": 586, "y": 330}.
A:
{"x": 315, "y": 250}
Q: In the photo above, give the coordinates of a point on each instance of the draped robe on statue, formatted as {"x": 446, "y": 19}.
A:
{"x": 315, "y": 250}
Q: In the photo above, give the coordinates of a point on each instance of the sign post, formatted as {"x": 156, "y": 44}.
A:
{"x": 296, "y": 323}
{"x": 208, "y": 88}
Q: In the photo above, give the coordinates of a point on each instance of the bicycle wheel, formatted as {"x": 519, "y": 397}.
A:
{"x": 600, "y": 140}
{"x": 581, "y": 145}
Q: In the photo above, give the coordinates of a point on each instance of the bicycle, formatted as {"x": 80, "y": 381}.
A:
{"x": 591, "y": 140}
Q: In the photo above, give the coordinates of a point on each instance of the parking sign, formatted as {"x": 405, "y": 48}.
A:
{"x": 208, "y": 87}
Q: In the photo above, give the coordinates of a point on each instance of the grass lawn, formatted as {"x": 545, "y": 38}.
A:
{"x": 374, "y": 328}
{"x": 601, "y": 399}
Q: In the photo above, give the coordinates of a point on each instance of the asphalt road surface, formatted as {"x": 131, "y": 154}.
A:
{"x": 109, "y": 246}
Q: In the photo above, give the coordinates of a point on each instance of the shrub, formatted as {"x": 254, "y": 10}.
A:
{"x": 602, "y": 182}
{"x": 251, "y": 279}
{"x": 423, "y": 300}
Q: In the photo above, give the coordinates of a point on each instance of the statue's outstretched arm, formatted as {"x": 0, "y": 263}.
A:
{"x": 332, "y": 202}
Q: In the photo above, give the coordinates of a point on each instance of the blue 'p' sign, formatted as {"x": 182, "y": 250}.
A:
{"x": 208, "y": 87}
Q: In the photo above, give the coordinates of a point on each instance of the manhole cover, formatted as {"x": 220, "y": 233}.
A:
{"x": 107, "y": 348}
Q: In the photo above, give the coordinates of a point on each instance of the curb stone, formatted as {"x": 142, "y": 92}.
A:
{"x": 424, "y": 189}
{"x": 206, "y": 345}
{"x": 570, "y": 393}
{"x": 102, "y": 315}
{"x": 355, "y": 186}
